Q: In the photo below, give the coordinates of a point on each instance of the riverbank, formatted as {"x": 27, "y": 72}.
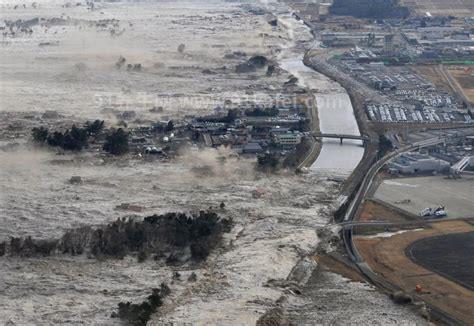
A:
{"x": 321, "y": 287}
{"x": 357, "y": 100}
{"x": 316, "y": 144}
{"x": 266, "y": 260}
{"x": 334, "y": 109}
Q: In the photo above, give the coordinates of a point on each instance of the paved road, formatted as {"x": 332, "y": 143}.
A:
{"x": 347, "y": 232}
{"x": 420, "y": 222}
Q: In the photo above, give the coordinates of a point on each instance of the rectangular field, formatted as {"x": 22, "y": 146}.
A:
{"x": 465, "y": 80}
{"x": 457, "y": 8}
{"x": 456, "y": 195}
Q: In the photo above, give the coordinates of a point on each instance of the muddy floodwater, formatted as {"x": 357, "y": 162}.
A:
{"x": 63, "y": 68}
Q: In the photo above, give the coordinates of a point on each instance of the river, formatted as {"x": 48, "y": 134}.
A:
{"x": 335, "y": 110}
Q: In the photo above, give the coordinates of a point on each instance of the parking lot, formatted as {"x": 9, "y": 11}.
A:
{"x": 402, "y": 113}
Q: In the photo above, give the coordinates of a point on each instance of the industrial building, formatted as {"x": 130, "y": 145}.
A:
{"x": 412, "y": 163}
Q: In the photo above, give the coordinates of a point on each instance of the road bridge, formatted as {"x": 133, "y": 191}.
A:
{"x": 341, "y": 137}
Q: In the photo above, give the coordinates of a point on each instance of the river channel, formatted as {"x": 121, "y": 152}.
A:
{"x": 335, "y": 110}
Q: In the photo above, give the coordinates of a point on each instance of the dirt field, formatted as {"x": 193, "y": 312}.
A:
{"x": 386, "y": 256}
{"x": 465, "y": 81}
{"x": 442, "y": 7}
{"x": 433, "y": 75}
{"x": 375, "y": 211}
{"x": 334, "y": 265}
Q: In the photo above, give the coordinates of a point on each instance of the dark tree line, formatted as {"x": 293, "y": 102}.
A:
{"x": 230, "y": 117}
{"x": 378, "y": 9}
{"x": 94, "y": 128}
{"x": 74, "y": 139}
{"x": 259, "y": 112}
{"x": 116, "y": 142}
{"x": 78, "y": 138}
{"x": 169, "y": 236}
{"x": 300, "y": 151}
{"x": 139, "y": 314}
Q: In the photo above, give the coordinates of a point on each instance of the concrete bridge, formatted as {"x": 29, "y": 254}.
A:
{"x": 341, "y": 137}
{"x": 462, "y": 165}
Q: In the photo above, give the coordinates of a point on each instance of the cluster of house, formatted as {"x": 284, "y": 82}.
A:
{"x": 253, "y": 134}
{"x": 281, "y": 131}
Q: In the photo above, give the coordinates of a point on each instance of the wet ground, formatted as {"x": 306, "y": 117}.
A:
{"x": 330, "y": 299}
{"x": 69, "y": 65}
{"x": 75, "y": 75}
{"x": 270, "y": 235}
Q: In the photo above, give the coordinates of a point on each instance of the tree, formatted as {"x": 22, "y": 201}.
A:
{"x": 40, "y": 135}
{"x": 170, "y": 126}
{"x": 385, "y": 145}
{"x": 232, "y": 114}
{"x": 94, "y": 128}
{"x": 299, "y": 151}
{"x": 116, "y": 142}
{"x": 139, "y": 314}
{"x": 56, "y": 139}
{"x": 259, "y": 112}
{"x": 304, "y": 125}
{"x": 75, "y": 139}
{"x": 268, "y": 161}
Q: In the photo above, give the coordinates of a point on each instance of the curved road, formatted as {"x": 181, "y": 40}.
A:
{"x": 347, "y": 232}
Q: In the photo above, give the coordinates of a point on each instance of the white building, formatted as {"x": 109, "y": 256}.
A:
{"x": 287, "y": 139}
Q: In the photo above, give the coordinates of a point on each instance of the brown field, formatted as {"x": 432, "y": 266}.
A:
{"x": 386, "y": 256}
{"x": 331, "y": 263}
{"x": 376, "y": 211}
{"x": 432, "y": 74}
{"x": 441, "y": 7}
{"x": 465, "y": 81}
